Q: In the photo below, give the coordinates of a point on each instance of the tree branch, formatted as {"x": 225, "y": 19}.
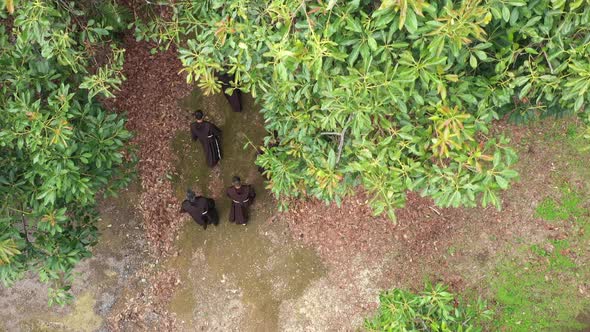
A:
{"x": 342, "y": 134}
{"x": 330, "y": 133}
{"x": 25, "y": 228}
{"x": 341, "y": 144}
{"x": 548, "y": 62}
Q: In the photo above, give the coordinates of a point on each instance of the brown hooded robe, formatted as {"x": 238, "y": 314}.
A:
{"x": 235, "y": 98}
{"x": 202, "y": 210}
{"x": 209, "y": 136}
{"x": 241, "y": 198}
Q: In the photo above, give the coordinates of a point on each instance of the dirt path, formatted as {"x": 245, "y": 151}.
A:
{"x": 234, "y": 277}
{"x": 149, "y": 97}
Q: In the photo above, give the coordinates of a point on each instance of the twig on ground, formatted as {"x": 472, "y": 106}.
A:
{"x": 435, "y": 210}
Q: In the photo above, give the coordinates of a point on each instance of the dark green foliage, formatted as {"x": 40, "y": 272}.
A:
{"x": 110, "y": 13}
{"x": 433, "y": 310}
{"x": 58, "y": 147}
{"x": 394, "y": 98}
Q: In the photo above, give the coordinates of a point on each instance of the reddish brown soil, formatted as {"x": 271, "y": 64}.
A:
{"x": 150, "y": 97}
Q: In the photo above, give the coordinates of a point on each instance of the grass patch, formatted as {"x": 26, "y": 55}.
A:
{"x": 540, "y": 291}
{"x": 569, "y": 207}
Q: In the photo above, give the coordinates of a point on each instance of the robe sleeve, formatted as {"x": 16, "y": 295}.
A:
{"x": 210, "y": 203}
{"x": 193, "y": 133}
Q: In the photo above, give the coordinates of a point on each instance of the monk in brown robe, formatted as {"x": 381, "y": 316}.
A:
{"x": 242, "y": 197}
{"x": 209, "y": 136}
{"x": 201, "y": 209}
{"x": 235, "y": 98}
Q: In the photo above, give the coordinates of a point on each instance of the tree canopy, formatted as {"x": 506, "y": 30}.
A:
{"x": 58, "y": 146}
{"x": 390, "y": 95}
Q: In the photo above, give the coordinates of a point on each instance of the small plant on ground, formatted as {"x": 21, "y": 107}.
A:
{"x": 434, "y": 309}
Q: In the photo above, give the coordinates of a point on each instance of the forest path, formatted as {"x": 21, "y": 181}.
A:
{"x": 233, "y": 277}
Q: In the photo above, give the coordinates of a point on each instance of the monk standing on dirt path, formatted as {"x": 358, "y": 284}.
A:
{"x": 235, "y": 98}
{"x": 209, "y": 136}
{"x": 242, "y": 197}
{"x": 201, "y": 209}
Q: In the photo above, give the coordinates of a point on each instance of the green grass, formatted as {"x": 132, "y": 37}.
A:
{"x": 572, "y": 131}
{"x": 539, "y": 292}
{"x": 569, "y": 206}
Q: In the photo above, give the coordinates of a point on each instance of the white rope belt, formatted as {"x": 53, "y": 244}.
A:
{"x": 247, "y": 199}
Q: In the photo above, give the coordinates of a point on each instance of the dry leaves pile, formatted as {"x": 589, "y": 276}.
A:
{"x": 366, "y": 254}
{"x": 338, "y": 233}
{"x": 146, "y": 310}
{"x": 420, "y": 237}
{"x": 150, "y": 97}
{"x": 427, "y": 240}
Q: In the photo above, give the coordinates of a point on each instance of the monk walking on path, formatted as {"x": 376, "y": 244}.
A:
{"x": 201, "y": 209}
{"x": 242, "y": 197}
{"x": 235, "y": 98}
{"x": 209, "y": 136}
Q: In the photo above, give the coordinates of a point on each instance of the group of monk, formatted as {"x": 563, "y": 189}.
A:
{"x": 202, "y": 209}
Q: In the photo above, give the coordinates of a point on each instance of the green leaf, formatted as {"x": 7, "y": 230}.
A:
{"x": 372, "y": 43}
{"x": 331, "y": 4}
{"x": 411, "y": 23}
{"x": 579, "y": 103}
{"x": 472, "y": 61}
{"x": 509, "y": 173}
{"x": 525, "y": 90}
{"x": 503, "y": 183}
{"x": 481, "y": 55}
{"x": 386, "y": 4}
{"x": 505, "y": 13}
